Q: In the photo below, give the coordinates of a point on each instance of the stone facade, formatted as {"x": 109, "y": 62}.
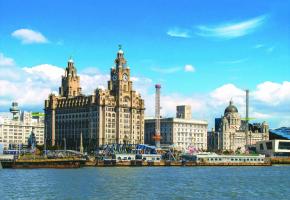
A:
{"x": 112, "y": 115}
{"x": 230, "y": 132}
{"x": 15, "y": 131}
{"x": 182, "y": 132}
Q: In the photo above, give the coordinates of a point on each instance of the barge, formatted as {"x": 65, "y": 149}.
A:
{"x": 59, "y": 163}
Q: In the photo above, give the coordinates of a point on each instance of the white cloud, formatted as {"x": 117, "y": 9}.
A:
{"x": 189, "y": 68}
{"x": 211, "y": 105}
{"x": 259, "y": 115}
{"x": 28, "y": 36}
{"x": 273, "y": 93}
{"x": 33, "y": 85}
{"x": 45, "y": 72}
{"x": 6, "y": 61}
{"x": 177, "y": 32}
{"x": 225, "y": 93}
{"x": 90, "y": 82}
{"x": 231, "y": 30}
{"x": 268, "y": 101}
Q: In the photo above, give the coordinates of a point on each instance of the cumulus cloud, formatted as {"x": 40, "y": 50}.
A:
{"x": 177, "y": 32}
{"x": 189, "y": 68}
{"x": 273, "y": 93}
{"x": 90, "y": 82}
{"x": 34, "y": 84}
{"x": 231, "y": 30}
{"x": 45, "y": 72}
{"x": 28, "y": 36}
{"x": 268, "y": 100}
{"x": 6, "y": 61}
{"x": 225, "y": 93}
{"x": 212, "y": 104}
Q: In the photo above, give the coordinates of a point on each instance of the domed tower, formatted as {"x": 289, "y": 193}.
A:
{"x": 14, "y": 109}
{"x": 120, "y": 61}
{"x": 70, "y": 83}
{"x": 232, "y": 115}
{"x": 265, "y": 130}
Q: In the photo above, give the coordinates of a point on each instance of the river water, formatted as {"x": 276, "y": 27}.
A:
{"x": 147, "y": 183}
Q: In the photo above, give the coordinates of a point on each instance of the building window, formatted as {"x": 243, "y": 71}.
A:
{"x": 269, "y": 145}
{"x": 284, "y": 145}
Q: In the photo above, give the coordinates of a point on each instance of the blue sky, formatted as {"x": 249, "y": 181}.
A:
{"x": 239, "y": 44}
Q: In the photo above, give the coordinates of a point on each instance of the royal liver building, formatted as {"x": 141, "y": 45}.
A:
{"x": 113, "y": 115}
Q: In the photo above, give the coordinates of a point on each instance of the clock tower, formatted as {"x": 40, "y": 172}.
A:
{"x": 129, "y": 107}
{"x": 120, "y": 84}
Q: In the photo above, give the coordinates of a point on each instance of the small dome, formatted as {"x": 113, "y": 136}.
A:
{"x": 120, "y": 49}
{"x": 231, "y": 108}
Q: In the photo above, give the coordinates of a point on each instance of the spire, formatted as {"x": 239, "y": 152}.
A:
{"x": 70, "y": 60}
{"x": 120, "y": 49}
{"x": 120, "y": 61}
{"x": 70, "y": 70}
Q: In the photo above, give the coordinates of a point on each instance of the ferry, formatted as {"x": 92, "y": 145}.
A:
{"x": 140, "y": 157}
{"x": 216, "y": 159}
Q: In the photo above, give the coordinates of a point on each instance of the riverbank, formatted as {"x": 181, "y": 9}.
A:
{"x": 280, "y": 161}
{"x": 62, "y": 163}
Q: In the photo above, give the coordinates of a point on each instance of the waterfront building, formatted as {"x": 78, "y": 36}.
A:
{"x": 183, "y": 132}
{"x": 16, "y": 129}
{"x": 108, "y": 116}
{"x": 273, "y": 148}
{"x": 211, "y": 141}
{"x": 282, "y": 133}
{"x": 231, "y": 133}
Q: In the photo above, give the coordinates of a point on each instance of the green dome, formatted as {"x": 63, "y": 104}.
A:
{"x": 231, "y": 108}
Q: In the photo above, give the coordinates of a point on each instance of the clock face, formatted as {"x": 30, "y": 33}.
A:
{"x": 125, "y": 77}
{"x": 114, "y": 77}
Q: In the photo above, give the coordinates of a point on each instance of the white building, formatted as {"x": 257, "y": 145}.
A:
{"x": 274, "y": 148}
{"x": 17, "y": 129}
{"x": 180, "y": 132}
{"x": 231, "y": 133}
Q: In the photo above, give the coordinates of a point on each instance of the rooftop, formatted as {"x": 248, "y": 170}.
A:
{"x": 283, "y": 132}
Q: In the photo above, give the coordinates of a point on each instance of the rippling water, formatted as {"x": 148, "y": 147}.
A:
{"x": 147, "y": 183}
